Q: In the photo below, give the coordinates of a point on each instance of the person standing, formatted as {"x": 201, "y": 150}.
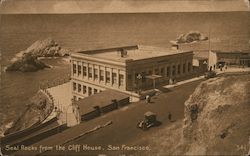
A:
{"x": 147, "y": 98}
{"x": 169, "y": 116}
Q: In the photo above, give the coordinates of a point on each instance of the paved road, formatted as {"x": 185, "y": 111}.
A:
{"x": 123, "y": 130}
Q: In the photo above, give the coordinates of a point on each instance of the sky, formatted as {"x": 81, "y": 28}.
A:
{"x": 120, "y": 6}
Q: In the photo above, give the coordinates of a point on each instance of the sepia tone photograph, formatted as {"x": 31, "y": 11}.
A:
{"x": 124, "y": 77}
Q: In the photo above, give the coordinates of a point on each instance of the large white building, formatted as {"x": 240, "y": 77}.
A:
{"x": 127, "y": 69}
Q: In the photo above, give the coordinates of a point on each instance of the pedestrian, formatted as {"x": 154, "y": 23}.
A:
{"x": 214, "y": 66}
{"x": 169, "y": 116}
{"x": 147, "y": 99}
{"x": 210, "y": 69}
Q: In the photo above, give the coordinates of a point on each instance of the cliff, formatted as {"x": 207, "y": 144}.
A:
{"x": 27, "y": 60}
{"x": 38, "y": 108}
{"x": 216, "y": 121}
{"x": 217, "y": 117}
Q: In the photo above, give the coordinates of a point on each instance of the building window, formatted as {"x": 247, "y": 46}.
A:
{"x": 168, "y": 71}
{"x": 114, "y": 78}
{"x": 189, "y": 66}
{"x": 74, "y": 86}
{"x": 79, "y": 88}
{"x": 84, "y": 89}
{"x": 107, "y": 77}
{"x": 84, "y": 71}
{"x": 90, "y": 91}
{"x": 90, "y": 72}
{"x": 95, "y": 91}
{"x": 173, "y": 70}
{"x": 101, "y": 75}
{"x": 162, "y": 71}
{"x": 74, "y": 68}
{"x": 179, "y": 69}
{"x": 184, "y": 68}
{"x": 79, "y": 69}
{"x": 95, "y": 74}
{"x": 121, "y": 79}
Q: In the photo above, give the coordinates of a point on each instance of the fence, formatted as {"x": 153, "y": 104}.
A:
{"x": 23, "y": 133}
{"x": 38, "y": 137}
{"x": 105, "y": 109}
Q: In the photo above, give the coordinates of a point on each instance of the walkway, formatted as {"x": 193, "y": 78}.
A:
{"x": 62, "y": 100}
{"x": 218, "y": 72}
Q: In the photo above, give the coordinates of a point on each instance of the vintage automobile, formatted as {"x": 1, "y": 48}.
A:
{"x": 210, "y": 74}
{"x": 149, "y": 121}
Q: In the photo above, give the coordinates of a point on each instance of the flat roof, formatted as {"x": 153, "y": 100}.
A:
{"x": 135, "y": 52}
{"x": 232, "y": 52}
{"x": 101, "y": 99}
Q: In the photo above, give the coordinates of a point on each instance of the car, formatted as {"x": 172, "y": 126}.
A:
{"x": 210, "y": 74}
{"x": 148, "y": 122}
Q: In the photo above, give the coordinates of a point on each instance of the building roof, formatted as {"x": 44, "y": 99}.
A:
{"x": 136, "y": 52}
{"x": 232, "y": 52}
{"x": 101, "y": 99}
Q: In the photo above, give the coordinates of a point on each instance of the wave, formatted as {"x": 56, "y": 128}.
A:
{"x": 4, "y": 127}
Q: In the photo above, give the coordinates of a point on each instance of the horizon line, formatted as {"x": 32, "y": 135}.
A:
{"x": 54, "y": 13}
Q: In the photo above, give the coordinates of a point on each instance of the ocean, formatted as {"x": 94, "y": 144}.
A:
{"x": 229, "y": 30}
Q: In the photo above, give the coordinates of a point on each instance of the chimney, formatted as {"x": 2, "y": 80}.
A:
{"x": 123, "y": 52}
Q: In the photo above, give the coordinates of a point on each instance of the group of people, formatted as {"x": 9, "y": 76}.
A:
{"x": 220, "y": 66}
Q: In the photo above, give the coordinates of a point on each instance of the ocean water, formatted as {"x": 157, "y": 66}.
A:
{"x": 230, "y": 30}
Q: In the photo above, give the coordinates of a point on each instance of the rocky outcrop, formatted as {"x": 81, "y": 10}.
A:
{"x": 44, "y": 48}
{"x": 216, "y": 117}
{"x": 190, "y": 37}
{"x": 27, "y": 60}
{"x": 27, "y": 63}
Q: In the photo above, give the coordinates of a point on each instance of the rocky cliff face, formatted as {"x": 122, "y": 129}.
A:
{"x": 217, "y": 117}
{"x": 27, "y": 60}
{"x": 43, "y": 48}
{"x": 27, "y": 63}
{"x": 38, "y": 108}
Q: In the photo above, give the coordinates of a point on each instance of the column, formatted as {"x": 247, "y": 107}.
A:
{"x": 181, "y": 64}
{"x": 82, "y": 64}
{"x": 87, "y": 70}
{"x": 118, "y": 78}
{"x": 93, "y": 69}
{"x": 105, "y": 82}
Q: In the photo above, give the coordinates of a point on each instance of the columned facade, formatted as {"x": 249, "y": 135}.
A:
{"x": 98, "y": 70}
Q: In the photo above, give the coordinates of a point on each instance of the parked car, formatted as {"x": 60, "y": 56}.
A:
{"x": 210, "y": 74}
{"x": 149, "y": 121}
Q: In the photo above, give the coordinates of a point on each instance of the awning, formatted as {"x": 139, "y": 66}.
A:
{"x": 153, "y": 77}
